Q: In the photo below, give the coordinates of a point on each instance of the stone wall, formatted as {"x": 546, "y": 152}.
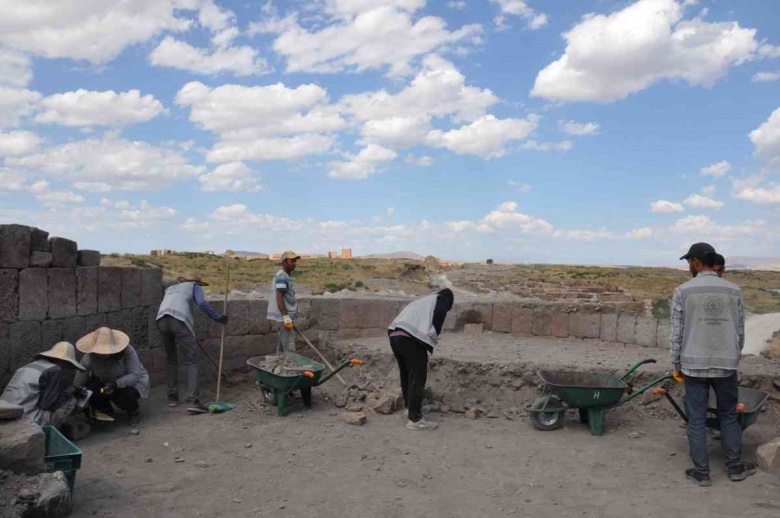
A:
{"x": 52, "y": 291}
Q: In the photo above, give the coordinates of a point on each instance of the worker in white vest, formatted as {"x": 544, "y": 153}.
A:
{"x": 176, "y": 323}
{"x": 414, "y": 334}
{"x": 43, "y": 389}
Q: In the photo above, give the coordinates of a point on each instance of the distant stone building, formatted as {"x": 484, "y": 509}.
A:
{"x": 333, "y": 255}
{"x": 346, "y": 253}
{"x": 163, "y": 252}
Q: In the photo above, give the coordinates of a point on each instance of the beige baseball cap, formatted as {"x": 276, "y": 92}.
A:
{"x": 289, "y": 254}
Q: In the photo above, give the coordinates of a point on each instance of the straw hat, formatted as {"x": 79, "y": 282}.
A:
{"x": 63, "y": 351}
{"x": 103, "y": 341}
{"x": 192, "y": 277}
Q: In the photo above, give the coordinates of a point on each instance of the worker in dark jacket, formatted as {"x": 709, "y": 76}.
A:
{"x": 720, "y": 265}
{"x": 43, "y": 389}
{"x": 414, "y": 334}
{"x": 176, "y": 323}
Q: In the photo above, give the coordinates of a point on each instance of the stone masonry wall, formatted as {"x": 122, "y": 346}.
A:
{"x": 51, "y": 291}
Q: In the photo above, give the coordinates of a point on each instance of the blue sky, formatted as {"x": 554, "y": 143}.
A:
{"x": 598, "y": 131}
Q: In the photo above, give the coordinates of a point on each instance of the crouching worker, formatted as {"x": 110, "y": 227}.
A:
{"x": 43, "y": 389}
{"x": 414, "y": 334}
{"x": 113, "y": 373}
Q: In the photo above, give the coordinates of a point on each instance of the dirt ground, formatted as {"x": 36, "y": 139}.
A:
{"x": 249, "y": 462}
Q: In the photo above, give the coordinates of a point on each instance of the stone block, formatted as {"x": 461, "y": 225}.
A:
{"x": 626, "y": 327}
{"x": 646, "y": 332}
{"x": 664, "y": 332}
{"x": 768, "y": 456}
{"x": 369, "y": 313}
{"x": 14, "y": 246}
{"x": 326, "y": 313}
{"x": 304, "y": 318}
{"x": 139, "y": 337}
{"x": 88, "y": 258}
{"x": 5, "y": 350}
{"x": 238, "y": 321}
{"x": 33, "y": 294}
{"x": 25, "y": 340}
{"x": 348, "y": 316}
{"x": 86, "y": 290}
{"x": 40, "y": 259}
{"x": 151, "y": 287}
{"x": 22, "y": 447}
{"x": 377, "y": 332}
{"x": 247, "y": 346}
{"x": 609, "y": 322}
{"x": 52, "y": 496}
{"x": 258, "y": 321}
{"x": 585, "y": 325}
{"x": 39, "y": 240}
{"x": 64, "y": 252}
{"x": 9, "y": 294}
{"x": 474, "y": 313}
{"x": 522, "y": 320}
{"x": 74, "y": 328}
{"x": 131, "y": 287}
{"x": 559, "y": 325}
{"x": 51, "y": 333}
{"x": 389, "y": 309}
{"x": 121, "y": 320}
{"x": 542, "y": 322}
{"x": 62, "y": 292}
{"x": 94, "y": 321}
{"x": 449, "y": 321}
{"x": 109, "y": 289}
{"x": 502, "y": 317}
{"x": 473, "y": 331}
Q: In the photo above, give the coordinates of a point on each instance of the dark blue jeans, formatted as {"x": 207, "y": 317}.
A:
{"x": 697, "y": 393}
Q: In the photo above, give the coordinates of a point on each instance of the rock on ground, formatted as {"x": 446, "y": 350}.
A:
{"x": 386, "y": 402}
{"x": 22, "y": 447}
{"x": 355, "y": 418}
{"x": 768, "y": 455}
{"x": 51, "y": 498}
{"x": 10, "y": 411}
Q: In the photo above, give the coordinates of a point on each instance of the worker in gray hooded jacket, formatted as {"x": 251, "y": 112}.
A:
{"x": 176, "y": 323}
{"x": 414, "y": 334}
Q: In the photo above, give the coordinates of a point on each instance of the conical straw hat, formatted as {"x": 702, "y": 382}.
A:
{"x": 103, "y": 341}
{"x": 63, "y": 351}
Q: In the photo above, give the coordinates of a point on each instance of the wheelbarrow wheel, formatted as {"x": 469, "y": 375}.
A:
{"x": 269, "y": 395}
{"x": 547, "y": 421}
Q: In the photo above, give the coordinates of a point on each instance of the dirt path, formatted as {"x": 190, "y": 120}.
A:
{"x": 250, "y": 463}
{"x": 758, "y": 331}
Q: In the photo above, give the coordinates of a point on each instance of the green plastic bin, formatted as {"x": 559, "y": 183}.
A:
{"x": 61, "y": 455}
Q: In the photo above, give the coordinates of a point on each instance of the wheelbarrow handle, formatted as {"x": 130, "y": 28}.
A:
{"x": 644, "y": 388}
{"x": 348, "y": 363}
{"x": 636, "y": 366}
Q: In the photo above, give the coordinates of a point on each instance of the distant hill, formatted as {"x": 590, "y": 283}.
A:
{"x": 753, "y": 263}
{"x": 249, "y": 254}
{"x": 397, "y": 255}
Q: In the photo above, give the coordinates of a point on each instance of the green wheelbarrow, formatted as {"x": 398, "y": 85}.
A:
{"x": 750, "y": 404}
{"x": 276, "y": 387}
{"x": 590, "y": 393}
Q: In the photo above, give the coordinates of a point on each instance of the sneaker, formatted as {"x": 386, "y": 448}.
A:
{"x": 134, "y": 419}
{"x": 741, "y": 471}
{"x": 422, "y": 424}
{"x": 173, "y": 399}
{"x": 196, "y": 407}
{"x": 102, "y": 417}
{"x": 426, "y": 409}
{"x": 698, "y": 478}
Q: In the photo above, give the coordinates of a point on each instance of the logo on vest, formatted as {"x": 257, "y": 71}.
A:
{"x": 713, "y": 306}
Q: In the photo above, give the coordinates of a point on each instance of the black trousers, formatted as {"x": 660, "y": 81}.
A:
{"x": 126, "y": 399}
{"x": 412, "y": 358}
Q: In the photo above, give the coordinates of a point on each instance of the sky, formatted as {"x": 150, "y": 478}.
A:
{"x": 591, "y": 132}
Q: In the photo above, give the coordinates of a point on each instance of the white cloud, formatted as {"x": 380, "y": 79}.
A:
{"x": 102, "y": 165}
{"x": 609, "y": 57}
{"x": 12, "y": 181}
{"x": 397, "y": 131}
{"x": 716, "y": 170}
{"x": 362, "y": 35}
{"x": 15, "y": 69}
{"x": 640, "y": 233}
{"x": 520, "y": 186}
{"x": 93, "y": 30}
{"x": 703, "y": 228}
{"x": 390, "y": 212}
{"x": 754, "y": 191}
{"x": 58, "y": 198}
{"x": 486, "y": 137}
{"x": 231, "y": 177}
{"x": 143, "y": 215}
{"x": 600, "y": 234}
{"x": 766, "y": 77}
{"x": 663, "y": 206}
{"x": 535, "y": 145}
{"x": 506, "y": 217}
{"x": 769, "y": 51}
{"x": 362, "y": 165}
{"x": 422, "y": 161}
{"x": 16, "y": 143}
{"x": 709, "y": 190}
{"x": 240, "y": 61}
{"x": 280, "y": 148}
{"x": 698, "y": 201}
{"x": 458, "y": 5}
{"x": 534, "y": 20}
{"x": 579, "y": 129}
{"x": 16, "y": 104}
{"x": 90, "y": 108}
{"x": 766, "y": 139}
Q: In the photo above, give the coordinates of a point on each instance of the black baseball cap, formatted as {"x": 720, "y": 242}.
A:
{"x": 699, "y": 251}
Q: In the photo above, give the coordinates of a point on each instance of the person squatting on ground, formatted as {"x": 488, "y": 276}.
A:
{"x": 176, "y": 323}
{"x": 113, "y": 373}
{"x": 282, "y": 304}
{"x": 43, "y": 389}
{"x": 414, "y": 334}
{"x": 708, "y": 332}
